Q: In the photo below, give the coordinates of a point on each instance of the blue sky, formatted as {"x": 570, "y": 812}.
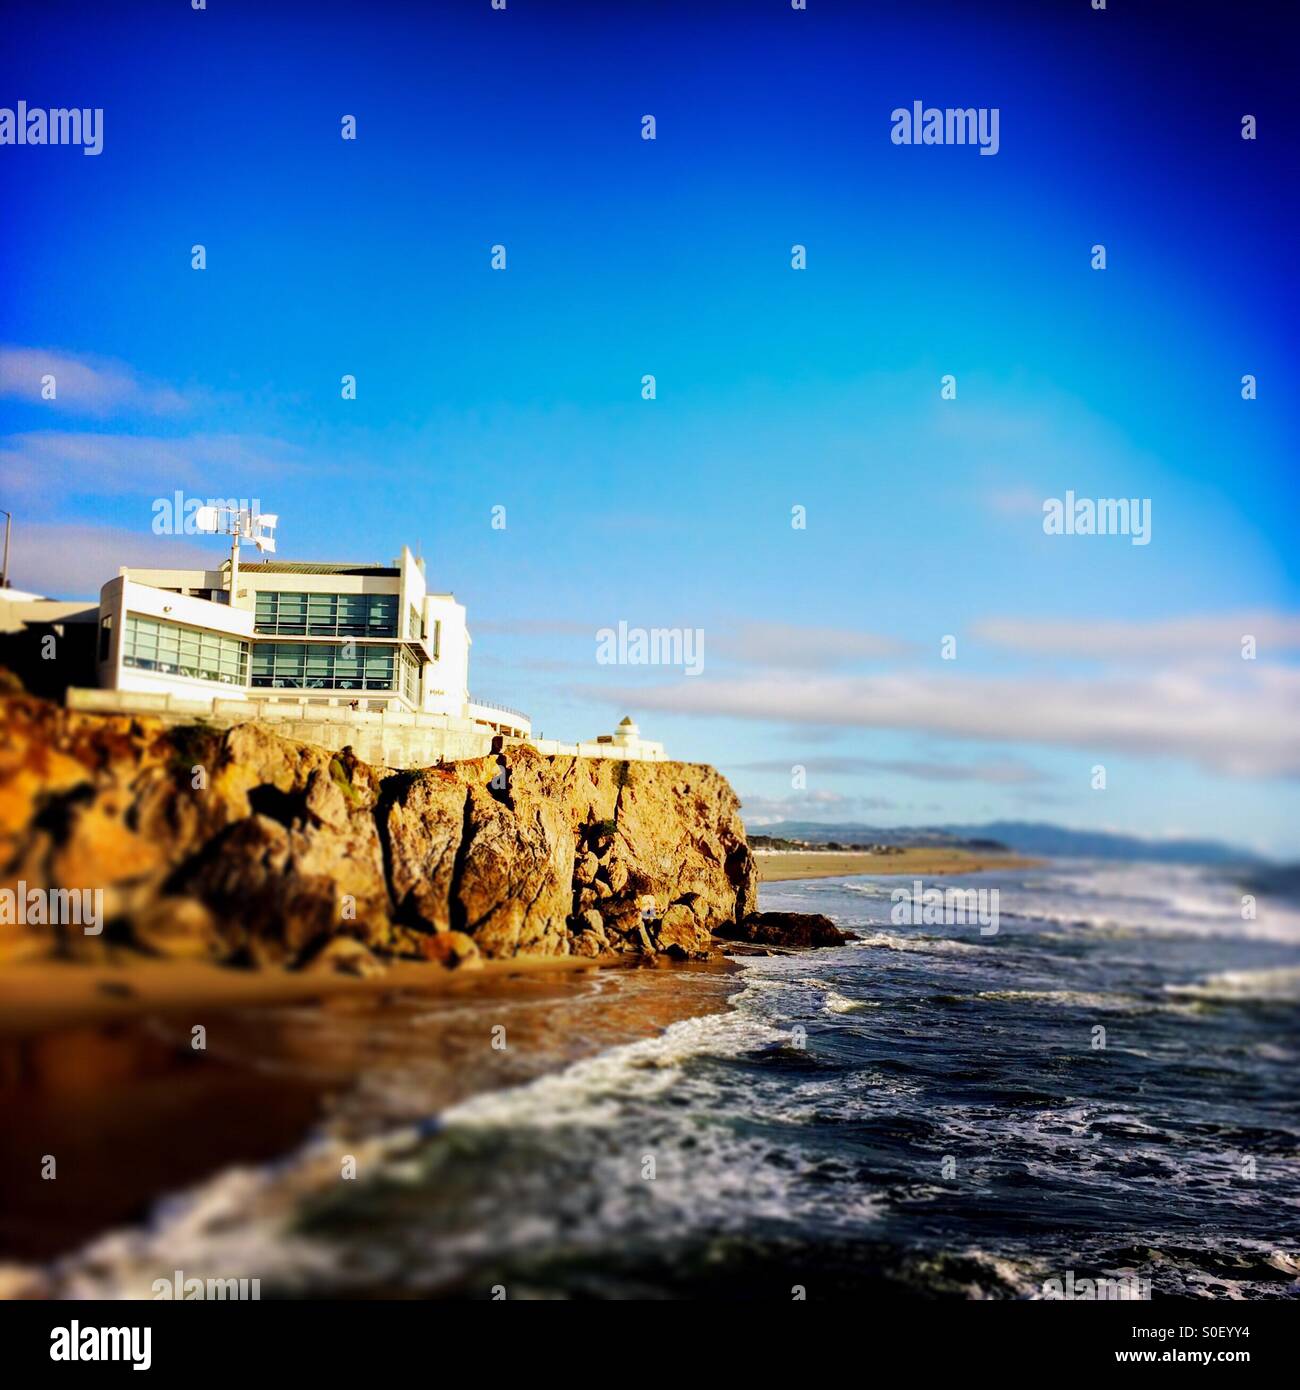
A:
{"x": 776, "y": 387}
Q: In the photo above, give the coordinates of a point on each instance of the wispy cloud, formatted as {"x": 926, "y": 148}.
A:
{"x": 1000, "y": 772}
{"x": 85, "y": 385}
{"x": 76, "y": 561}
{"x": 1015, "y": 502}
{"x": 814, "y": 805}
{"x": 48, "y": 466}
{"x": 1183, "y": 641}
{"x": 536, "y": 627}
{"x": 795, "y": 647}
{"x": 1243, "y": 727}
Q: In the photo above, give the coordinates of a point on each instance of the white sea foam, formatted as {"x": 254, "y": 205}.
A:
{"x": 836, "y": 1003}
{"x": 1280, "y": 985}
{"x": 596, "y": 1090}
{"x": 1144, "y": 897}
{"x": 1069, "y": 998}
{"x": 931, "y": 945}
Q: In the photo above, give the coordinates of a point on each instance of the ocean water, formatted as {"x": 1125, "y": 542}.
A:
{"x": 926, "y": 1111}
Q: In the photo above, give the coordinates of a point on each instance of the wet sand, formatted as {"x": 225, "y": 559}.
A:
{"x": 113, "y": 1088}
{"x": 784, "y": 866}
{"x": 39, "y": 995}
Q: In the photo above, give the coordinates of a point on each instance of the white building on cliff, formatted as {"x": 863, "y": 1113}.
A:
{"x": 333, "y": 654}
{"x": 310, "y": 635}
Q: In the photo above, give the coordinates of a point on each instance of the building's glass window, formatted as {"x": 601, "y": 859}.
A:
{"x": 326, "y": 615}
{"x": 105, "y": 637}
{"x": 306, "y": 666}
{"x": 153, "y": 644}
{"x": 414, "y": 623}
{"x": 410, "y": 677}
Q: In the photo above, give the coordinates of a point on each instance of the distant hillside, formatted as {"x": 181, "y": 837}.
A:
{"x": 1026, "y": 837}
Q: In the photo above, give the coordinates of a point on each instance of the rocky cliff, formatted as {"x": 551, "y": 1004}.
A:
{"x": 248, "y": 848}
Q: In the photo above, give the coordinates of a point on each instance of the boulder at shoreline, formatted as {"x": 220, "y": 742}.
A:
{"x": 799, "y": 930}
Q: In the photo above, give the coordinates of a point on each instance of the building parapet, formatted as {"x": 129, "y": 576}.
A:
{"x": 554, "y": 748}
{"x": 387, "y": 737}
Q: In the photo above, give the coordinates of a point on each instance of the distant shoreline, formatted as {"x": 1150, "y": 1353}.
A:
{"x": 787, "y": 866}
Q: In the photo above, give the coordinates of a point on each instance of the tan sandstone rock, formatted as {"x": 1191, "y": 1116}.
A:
{"x": 243, "y": 845}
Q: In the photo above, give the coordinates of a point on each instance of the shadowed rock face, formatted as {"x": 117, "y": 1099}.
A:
{"x": 794, "y": 929}
{"x": 240, "y": 845}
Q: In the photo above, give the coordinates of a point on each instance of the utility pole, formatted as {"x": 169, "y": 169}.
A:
{"x": 234, "y": 565}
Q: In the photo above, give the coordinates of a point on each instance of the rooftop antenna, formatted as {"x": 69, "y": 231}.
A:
{"x": 239, "y": 523}
{"x": 4, "y": 574}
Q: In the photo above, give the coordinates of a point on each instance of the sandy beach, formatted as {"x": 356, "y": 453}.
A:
{"x": 784, "y": 866}
{"x": 39, "y": 995}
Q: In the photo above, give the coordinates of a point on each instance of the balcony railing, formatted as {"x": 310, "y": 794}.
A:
{"x": 504, "y": 709}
